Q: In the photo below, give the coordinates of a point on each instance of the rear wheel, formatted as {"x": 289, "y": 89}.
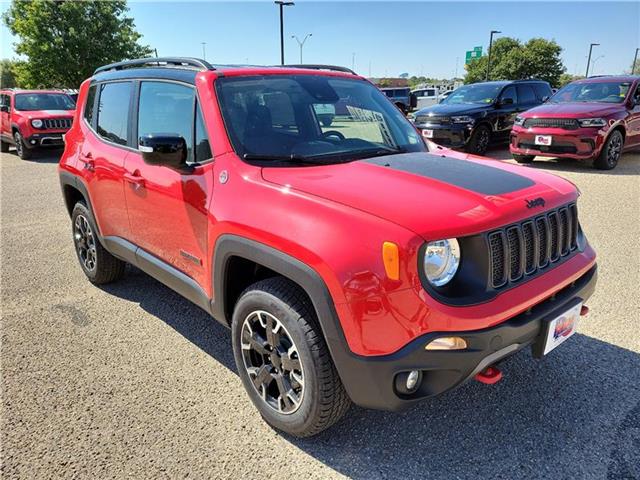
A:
{"x": 523, "y": 158}
{"x": 21, "y": 149}
{"x": 97, "y": 264}
{"x": 611, "y": 152}
{"x": 479, "y": 141}
{"x": 283, "y": 360}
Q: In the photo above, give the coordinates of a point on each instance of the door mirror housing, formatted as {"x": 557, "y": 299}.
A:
{"x": 4, "y": 108}
{"x": 164, "y": 150}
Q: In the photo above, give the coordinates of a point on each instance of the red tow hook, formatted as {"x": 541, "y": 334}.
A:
{"x": 489, "y": 376}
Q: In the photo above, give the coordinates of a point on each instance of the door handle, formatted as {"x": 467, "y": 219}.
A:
{"x": 134, "y": 178}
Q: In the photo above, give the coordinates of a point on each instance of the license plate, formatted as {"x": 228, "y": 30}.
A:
{"x": 543, "y": 140}
{"x": 561, "y": 328}
{"x": 427, "y": 133}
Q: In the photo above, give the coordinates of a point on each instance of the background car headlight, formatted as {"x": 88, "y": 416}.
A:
{"x": 36, "y": 123}
{"x": 519, "y": 121}
{"x": 462, "y": 119}
{"x": 441, "y": 261}
{"x": 592, "y": 122}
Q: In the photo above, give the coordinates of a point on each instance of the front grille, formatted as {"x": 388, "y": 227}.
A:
{"x": 427, "y": 119}
{"x": 57, "y": 123}
{"x": 564, "y": 123}
{"x": 525, "y": 248}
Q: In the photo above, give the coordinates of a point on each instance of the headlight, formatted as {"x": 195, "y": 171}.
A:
{"x": 519, "y": 121}
{"x": 36, "y": 123}
{"x": 592, "y": 122}
{"x": 441, "y": 260}
{"x": 462, "y": 119}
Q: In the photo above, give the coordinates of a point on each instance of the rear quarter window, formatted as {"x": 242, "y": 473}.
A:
{"x": 113, "y": 112}
{"x": 89, "y": 105}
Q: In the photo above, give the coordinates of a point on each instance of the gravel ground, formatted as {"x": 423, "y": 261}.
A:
{"x": 132, "y": 380}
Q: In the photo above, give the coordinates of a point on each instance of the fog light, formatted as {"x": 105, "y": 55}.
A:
{"x": 412, "y": 379}
{"x": 33, "y": 142}
{"x": 447, "y": 343}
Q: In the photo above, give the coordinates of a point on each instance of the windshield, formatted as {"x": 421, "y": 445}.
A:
{"x": 312, "y": 119}
{"x": 478, "y": 93}
{"x": 44, "y": 101}
{"x": 600, "y": 92}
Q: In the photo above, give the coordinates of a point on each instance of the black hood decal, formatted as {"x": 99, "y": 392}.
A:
{"x": 461, "y": 173}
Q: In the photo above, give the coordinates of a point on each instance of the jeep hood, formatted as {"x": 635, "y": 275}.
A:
{"x": 434, "y": 196}
{"x": 574, "y": 110}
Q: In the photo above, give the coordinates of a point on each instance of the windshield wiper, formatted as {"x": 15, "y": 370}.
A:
{"x": 322, "y": 158}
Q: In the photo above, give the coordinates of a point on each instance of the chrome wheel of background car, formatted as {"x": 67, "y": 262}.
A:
{"x": 19, "y": 147}
{"x": 483, "y": 141}
{"x": 615, "y": 149}
{"x": 272, "y": 362}
{"x": 85, "y": 242}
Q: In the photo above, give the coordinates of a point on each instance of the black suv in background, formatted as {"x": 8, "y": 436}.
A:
{"x": 475, "y": 115}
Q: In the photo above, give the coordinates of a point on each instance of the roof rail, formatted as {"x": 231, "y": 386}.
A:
{"x": 319, "y": 67}
{"x": 156, "y": 62}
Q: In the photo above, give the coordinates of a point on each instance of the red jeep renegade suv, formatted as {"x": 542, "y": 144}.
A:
{"x": 592, "y": 119}
{"x": 33, "y": 119}
{"x": 351, "y": 262}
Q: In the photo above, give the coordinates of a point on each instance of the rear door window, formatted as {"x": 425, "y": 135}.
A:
{"x": 113, "y": 112}
{"x": 543, "y": 91}
{"x": 510, "y": 92}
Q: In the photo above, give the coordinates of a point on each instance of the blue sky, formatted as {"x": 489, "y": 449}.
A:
{"x": 388, "y": 37}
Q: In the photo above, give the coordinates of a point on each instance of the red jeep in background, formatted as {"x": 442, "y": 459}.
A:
{"x": 33, "y": 119}
{"x": 352, "y": 262}
{"x": 592, "y": 119}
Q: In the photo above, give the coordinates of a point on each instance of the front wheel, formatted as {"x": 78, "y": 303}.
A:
{"x": 611, "y": 152}
{"x": 523, "y": 158}
{"x": 479, "y": 141}
{"x": 21, "y": 149}
{"x": 283, "y": 360}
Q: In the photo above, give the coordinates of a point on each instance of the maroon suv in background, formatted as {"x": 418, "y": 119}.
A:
{"x": 591, "y": 119}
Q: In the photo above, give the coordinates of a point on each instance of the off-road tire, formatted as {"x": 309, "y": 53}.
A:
{"x": 611, "y": 152}
{"x": 21, "y": 148}
{"x": 523, "y": 158}
{"x": 479, "y": 141}
{"x": 324, "y": 400}
{"x": 107, "y": 268}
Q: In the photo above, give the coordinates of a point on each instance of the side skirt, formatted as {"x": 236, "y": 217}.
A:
{"x": 160, "y": 270}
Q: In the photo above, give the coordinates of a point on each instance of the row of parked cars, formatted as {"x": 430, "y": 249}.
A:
{"x": 592, "y": 119}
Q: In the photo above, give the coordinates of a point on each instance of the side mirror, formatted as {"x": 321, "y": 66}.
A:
{"x": 164, "y": 150}
{"x": 506, "y": 101}
{"x": 4, "y": 108}
{"x": 545, "y": 98}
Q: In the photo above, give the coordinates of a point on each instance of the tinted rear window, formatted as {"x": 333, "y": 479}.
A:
{"x": 113, "y": 111}
{"x": 542, "y": 90}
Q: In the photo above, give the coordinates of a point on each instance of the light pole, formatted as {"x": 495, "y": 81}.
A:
{"x": 589, "y": 59}
{"x": 486, "y": 78}
{"x": 635, "y": 59}
{"x": 301, "y": 43}
{"x": 282, "y": 4}
{"x": 204, "y": 51}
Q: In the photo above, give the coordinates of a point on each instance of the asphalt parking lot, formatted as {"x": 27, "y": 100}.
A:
{"x": 133, "y": 380}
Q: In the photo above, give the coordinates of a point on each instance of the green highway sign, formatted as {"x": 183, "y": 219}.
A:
{"x": 473, "y": 54}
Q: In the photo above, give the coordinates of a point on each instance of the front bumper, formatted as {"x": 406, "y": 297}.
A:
{"x": 369, "y": 381}
{"x": 580, "y": 144}
{"x": 54, "y": 139}
{"x": 455, "y": 135}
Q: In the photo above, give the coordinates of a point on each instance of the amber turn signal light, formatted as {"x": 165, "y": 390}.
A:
{"x": 391, "y": 260}
{"x": 447, "y": 343}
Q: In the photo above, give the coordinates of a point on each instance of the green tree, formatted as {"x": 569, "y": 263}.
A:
{"x": 568, "y": 78}
{"x": 65, "y": 41}
{"x": 512, "y": 60}
{"x": 7, "y": 76}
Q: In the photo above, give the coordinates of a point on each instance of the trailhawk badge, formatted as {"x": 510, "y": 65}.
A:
{"x": 536, "y": 202}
